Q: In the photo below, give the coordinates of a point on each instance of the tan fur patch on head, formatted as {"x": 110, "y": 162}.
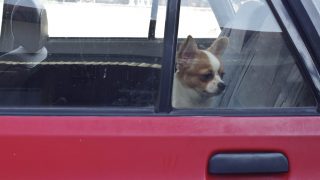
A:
{"x": 197, "y": 72}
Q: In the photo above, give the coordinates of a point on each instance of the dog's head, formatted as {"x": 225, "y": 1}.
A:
{"x": 202, "y": 70}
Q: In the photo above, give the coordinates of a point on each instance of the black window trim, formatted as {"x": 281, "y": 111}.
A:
{"x": 149, "y": 112}
{"x": 301, "y": 13}
{"x": 168, "y": 59}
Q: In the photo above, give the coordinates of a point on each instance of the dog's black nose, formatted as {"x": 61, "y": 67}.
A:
{"x": 221, "y": 86}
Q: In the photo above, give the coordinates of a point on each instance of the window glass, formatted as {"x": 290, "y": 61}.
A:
{"x": 102, "y": 18}
{"x": 196, "y": 18}
{"x": 317, "y": 4}
{"x": 313, "y": 9}
{"x": 80, "y": 62}
{"x": 246, "y": 65}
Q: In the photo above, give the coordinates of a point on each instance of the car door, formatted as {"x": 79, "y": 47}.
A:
{"x": 99, "y": 106}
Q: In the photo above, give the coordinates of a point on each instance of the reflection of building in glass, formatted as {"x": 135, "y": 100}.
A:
{"x": 194, "y": 3}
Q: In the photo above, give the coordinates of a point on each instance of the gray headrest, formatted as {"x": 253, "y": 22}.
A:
{"x": 29, "y": 25}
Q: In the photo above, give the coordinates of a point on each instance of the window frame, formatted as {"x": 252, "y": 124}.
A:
{"x": 305, "y": 25}
{"x": 163, "y": 105}
{"x": 307, "y": 68}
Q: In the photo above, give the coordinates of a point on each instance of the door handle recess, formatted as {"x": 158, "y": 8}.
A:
{"x": 248, "y": 163}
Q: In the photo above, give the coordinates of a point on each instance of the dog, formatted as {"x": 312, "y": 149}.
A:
{"x": 198, "y": 75}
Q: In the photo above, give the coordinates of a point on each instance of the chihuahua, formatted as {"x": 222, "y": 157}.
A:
{"x": 198, "y": 75}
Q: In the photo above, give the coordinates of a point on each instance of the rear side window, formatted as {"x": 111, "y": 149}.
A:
{"x": 58, "y": 53}
{"x": 247, "y": 65}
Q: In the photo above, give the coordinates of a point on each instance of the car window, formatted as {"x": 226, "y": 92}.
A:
{"x": 313, "y": 9}
{"x": 248, "y": 65}
{"x": 102, "y": 18}
{"x": 59, "y": 53}
{"x": 190, "y": 13}
{"x": 317, "y": 4}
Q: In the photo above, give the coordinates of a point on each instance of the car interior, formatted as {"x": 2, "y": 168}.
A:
{"x": 261, "y": 70}
{"x": 73, "y": 71}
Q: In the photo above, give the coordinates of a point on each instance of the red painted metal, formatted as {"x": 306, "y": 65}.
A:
{"x": 150, "y": 147}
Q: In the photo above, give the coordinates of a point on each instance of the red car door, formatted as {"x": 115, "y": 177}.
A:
{"x": 151, "y": 147}
{"x": 100, "y": 107}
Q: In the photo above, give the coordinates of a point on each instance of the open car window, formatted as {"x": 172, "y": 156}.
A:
{"x": 248, "y": 65}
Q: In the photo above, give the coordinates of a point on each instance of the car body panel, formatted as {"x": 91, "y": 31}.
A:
{"x": 149, "y": 147}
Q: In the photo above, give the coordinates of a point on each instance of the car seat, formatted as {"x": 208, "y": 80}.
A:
{"x": 29, "y": 26}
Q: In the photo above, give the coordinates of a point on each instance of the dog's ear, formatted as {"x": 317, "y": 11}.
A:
{"x": 188, "y": 49}
{"x": 219, "y": 46}
{"x": 186, "y": 53}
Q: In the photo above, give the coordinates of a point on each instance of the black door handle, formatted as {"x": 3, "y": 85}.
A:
{"x": 243, "y": 163}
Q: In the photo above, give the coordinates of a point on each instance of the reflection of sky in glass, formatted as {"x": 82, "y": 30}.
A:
{"x": 314, "y": 15}
{"x": 115, "y": 20}
{"x": 317, "y": 4}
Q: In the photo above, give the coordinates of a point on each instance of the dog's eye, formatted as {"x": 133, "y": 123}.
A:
{"x": 208, "y": 76}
